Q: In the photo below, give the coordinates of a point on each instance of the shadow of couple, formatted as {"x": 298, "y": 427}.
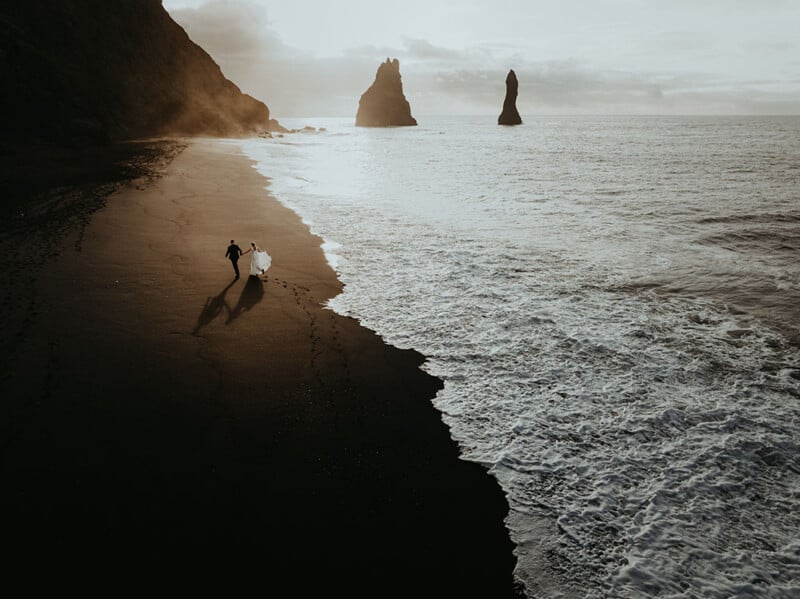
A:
{"x": 252, "y": 293}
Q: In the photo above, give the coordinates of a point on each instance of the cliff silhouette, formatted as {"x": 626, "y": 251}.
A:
{"x": 510, "y": 115}
{"x": 94, "y": 70}
{"x": 384, "y": 104}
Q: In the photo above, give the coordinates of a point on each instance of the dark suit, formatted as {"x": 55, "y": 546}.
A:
{"x": 234, "y": 251}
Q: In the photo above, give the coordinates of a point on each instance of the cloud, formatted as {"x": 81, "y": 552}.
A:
{"x": 439, "y": 80}
{"x": 241, "y": 39}
{"x": 424, "y": 50}
{"x": 558, "y": 87}
{"x": 229, "y": 29}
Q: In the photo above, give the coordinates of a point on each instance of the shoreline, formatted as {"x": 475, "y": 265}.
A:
{"x": 162, "y": 408}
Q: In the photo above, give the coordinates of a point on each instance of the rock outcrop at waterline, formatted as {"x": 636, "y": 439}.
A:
{"x": 384, "y": 104}
{"x": 510, "y": 115}
{"x": 93, "y": 70}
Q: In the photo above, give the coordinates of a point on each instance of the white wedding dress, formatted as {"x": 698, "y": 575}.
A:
{"x": 259, "y": 262}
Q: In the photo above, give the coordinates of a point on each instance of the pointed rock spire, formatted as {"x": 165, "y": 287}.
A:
{"x": 510, "y": 115}
{"x": 383, "y": 104}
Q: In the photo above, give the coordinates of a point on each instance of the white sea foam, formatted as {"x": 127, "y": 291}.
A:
{"x": 614, "y": 320}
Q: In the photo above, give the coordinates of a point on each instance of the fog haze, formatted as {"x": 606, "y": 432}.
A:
{"x": 309, "y": 58}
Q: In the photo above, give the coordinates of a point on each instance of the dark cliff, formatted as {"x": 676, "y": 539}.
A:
{"x": 99, "y": 70}
{"x": 384, "y": 104}
{"x": 510, "y": 115}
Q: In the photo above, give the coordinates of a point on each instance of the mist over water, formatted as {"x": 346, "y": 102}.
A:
{"x": 614, "y": 306}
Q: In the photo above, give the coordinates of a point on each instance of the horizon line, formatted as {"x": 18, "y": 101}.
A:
{"x": 567, "y": 114}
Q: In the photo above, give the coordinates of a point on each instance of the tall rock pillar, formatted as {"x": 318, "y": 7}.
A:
{"x": 510, "y": 115}
{"x": 383, "y": 104}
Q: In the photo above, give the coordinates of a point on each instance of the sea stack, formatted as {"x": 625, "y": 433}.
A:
{"x": 510, "y": 115}
{"x": 383, "y": 104}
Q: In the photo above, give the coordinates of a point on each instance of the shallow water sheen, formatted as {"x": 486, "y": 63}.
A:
{"x": 614, "y": 305}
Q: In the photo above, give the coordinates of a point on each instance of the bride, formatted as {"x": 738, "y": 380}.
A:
{"x": 260, "y": 260}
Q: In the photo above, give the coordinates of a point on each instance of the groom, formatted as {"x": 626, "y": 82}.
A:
{"x": 233, "y": 253}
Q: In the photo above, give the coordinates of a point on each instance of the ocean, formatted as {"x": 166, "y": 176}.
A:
{"x": 613, "y": 304}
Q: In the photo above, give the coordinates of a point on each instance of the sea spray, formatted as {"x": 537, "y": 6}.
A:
{"x": 613, "y": 305}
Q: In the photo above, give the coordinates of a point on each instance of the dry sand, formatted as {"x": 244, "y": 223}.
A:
{"x": 162, "y": 415}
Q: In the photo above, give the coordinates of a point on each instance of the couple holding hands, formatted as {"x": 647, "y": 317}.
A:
{"x": 260, "y": 260}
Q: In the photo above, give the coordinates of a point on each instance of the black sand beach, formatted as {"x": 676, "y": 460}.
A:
{"x": 159, "y": 415}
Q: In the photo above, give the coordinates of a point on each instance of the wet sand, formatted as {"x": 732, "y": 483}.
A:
{"x": 164, "y": 418}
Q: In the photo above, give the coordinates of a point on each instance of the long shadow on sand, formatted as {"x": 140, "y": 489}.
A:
{"x": 251, "y": 294}
{"x": 213, "y": 308}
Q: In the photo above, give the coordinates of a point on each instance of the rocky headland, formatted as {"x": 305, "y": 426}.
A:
{"x": 90, "y": 71}
{"x": 384, "y": 104}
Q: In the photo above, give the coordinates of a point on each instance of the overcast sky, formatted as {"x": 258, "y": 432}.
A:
{"x": 316, "y": 57}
